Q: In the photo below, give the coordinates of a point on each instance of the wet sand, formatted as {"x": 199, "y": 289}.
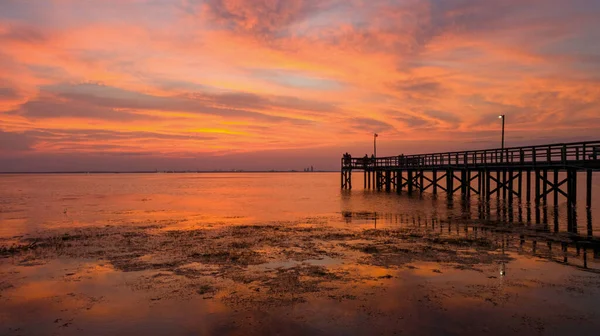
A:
{"x": 315, "y": 276}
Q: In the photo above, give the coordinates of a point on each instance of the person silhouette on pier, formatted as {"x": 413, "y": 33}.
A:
{"x": 347, "y": 159}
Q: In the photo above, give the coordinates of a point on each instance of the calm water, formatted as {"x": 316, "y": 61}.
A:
{"x": 29, "y": 203}
{"x": 166, "y": 254}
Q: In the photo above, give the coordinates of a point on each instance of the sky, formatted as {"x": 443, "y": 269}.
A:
{"x": 285, "y": 84}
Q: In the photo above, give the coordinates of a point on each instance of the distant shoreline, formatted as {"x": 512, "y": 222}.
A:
{"x": 167, "y": 172}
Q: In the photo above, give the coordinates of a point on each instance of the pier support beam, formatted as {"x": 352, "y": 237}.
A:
{"x": 388, "y": 180}
{"x": 504, "y": 189}
{"x": 520, "y": 185}
{"x": 528, "y": 186}
{"x": 488, "y": 185}
{"x": 556, "y": 187}
{"x": 463, "y": 183}
{"x": 537, "y": 187}
{"x": 482, "y": 178}
{"x": 588, "y": 198}
{"x": 450, "y": 182}
{"x": 346, "y": 179}
{"x": 572, "y": 199}
{"x": 545, "y": 176}
{"x": 510, "y": 186}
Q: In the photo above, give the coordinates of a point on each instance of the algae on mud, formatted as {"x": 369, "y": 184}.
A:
{"x": 293, "y": 277}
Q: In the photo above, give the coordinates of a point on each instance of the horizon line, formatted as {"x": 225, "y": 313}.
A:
{"x": 168, "y": 172}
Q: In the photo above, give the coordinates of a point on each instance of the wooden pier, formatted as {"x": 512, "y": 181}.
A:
{"x": 532, "y": 173}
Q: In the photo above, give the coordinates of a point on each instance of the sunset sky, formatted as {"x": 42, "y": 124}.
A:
{"x": 285, "y": 84}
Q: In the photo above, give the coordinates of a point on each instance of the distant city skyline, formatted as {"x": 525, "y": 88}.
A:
{"x": 258, "y": 85}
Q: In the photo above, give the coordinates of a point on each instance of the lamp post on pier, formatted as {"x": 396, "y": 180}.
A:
{"x": 375, "y": 135}
{"x": 503, "y": 117}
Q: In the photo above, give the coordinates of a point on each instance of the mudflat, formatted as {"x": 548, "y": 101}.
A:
{"x": 313, "y": 276}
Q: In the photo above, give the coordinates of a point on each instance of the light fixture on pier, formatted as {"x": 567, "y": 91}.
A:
{"x": 503, "y": 117}
{"x": 375, "y": 135}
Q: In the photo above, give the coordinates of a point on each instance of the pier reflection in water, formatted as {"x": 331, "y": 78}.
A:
{"x": 500, "y": 230}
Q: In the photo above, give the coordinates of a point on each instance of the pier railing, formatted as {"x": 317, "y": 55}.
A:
{"x": 585, "y": 155}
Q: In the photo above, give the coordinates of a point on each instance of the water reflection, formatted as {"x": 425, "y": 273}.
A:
{"x": 424, "y": 265}
{"x": 551, "y": 218}
{"x": 522, "y": 239}
{"x": 37, "y": 202}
